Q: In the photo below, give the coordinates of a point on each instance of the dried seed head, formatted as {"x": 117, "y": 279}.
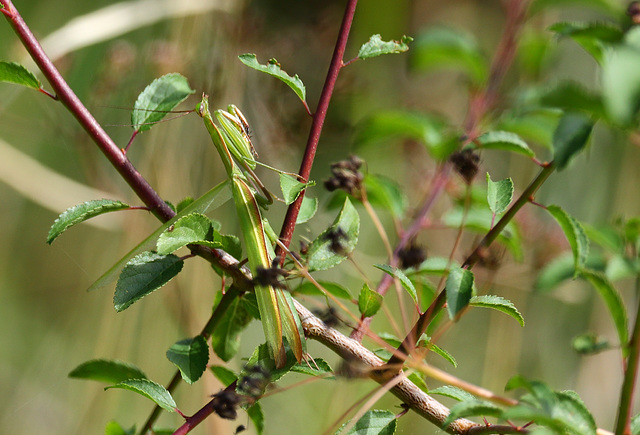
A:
{"x": 412, "y": 255}
{"x": 225, "y": 403}
{"x": 346, "y": 176}
{"x": 465, "y": 163}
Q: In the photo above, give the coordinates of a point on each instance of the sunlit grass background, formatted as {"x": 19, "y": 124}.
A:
{"x": 49, "y": 324}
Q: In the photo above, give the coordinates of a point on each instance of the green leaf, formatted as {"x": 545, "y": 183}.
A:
{"x": 369, "y": 301}
{"x": 316, "y": 367}
{"x": 377, "y": 47}
{"x": 593, "y": 37}
{"x": 441, "y": 47}
{"x": 426, "y": 129}
{"x": 574, "y": 233}
{"x": 211, "y": 200}
{"x": 453, "y": 392}
{"x": 620, "y": 85}
{"x": 542, "y": 396}
{"x": 114, "y": 428}
{"x": 150, "y": 390}
{"x": 103, "y": 370}
{"x": 608, "y": 6}
{"x": 418, "y": 380}
{"x": 572, "y": 96}
{"x": 144, "y": 274}
{"x": 257, "y": 417}
{"x": 471, "y": 408}
{"x": 589, "y": 344}
{"x": 534, "y": 124}
{"x": 498, "y": 303}
{"x": 572, "y": 411}
{"x": 506, "y": 141}
{"x": 404, "y": 280}
{"x": 184, "y": 203}
{"x": 374, "y": 422}
{"x": 614, "y": 304}
{"x": 499, "y": 194}
{"x": 334, "y": 244}
{"x": 262, "y": 357}
{"x": 273, "y": 68}
{"x": 308, "y": 209}
{"x": 225, "y": 339}
{"x": 291, "y": 188}
{"x": 191, "y": 356}
{"x": 81, "y": 213}
{"x": 433, "y": 266}
{"x": 570, "y": 137}
{"x": 426, "y": 342}
{"x": 224, "y": 375}
{"x": 12, "y": 72}
{"x": 189, "y": 229}
{"x": 563, "y": 268}
{"x": 157, "y": 99}
{"x": 308, "y": 288}
{"x": 386, "y": 193}
{"x": 458, "y": 287}
{"x": 635, "y": 425}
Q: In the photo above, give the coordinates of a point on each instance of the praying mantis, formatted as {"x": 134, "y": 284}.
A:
{"x": 277, "y": 312}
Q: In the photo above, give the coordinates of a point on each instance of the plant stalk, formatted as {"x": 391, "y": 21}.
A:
{"x": 289, "y": 224}
{"x": 625, "y": 407}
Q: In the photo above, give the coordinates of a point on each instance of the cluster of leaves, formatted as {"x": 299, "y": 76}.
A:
{"x": 559, "y": 118}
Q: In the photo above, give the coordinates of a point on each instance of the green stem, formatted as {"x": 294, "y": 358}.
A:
{"x": 427, "y": 317}
{"x": 623, "y": 423}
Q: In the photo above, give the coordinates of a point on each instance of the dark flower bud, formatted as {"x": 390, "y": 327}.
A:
{"x": 465, "y": 163}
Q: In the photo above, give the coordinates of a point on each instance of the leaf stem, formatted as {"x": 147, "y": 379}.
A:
{"x": 625, "y": 407}
{"x": 289, "y": 224}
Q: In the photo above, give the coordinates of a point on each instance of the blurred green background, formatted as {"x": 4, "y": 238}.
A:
{"x": 49, "y": 324}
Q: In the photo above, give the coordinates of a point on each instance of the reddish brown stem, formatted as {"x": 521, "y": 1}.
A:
{"x": 203, "y": 413}
{"x": 289, "y": 224}
{"x": 71, "y": 101}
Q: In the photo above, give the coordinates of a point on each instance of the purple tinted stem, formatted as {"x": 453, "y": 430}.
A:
{"x": 289, "y": 223}
{"x": 71, "y": 101}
